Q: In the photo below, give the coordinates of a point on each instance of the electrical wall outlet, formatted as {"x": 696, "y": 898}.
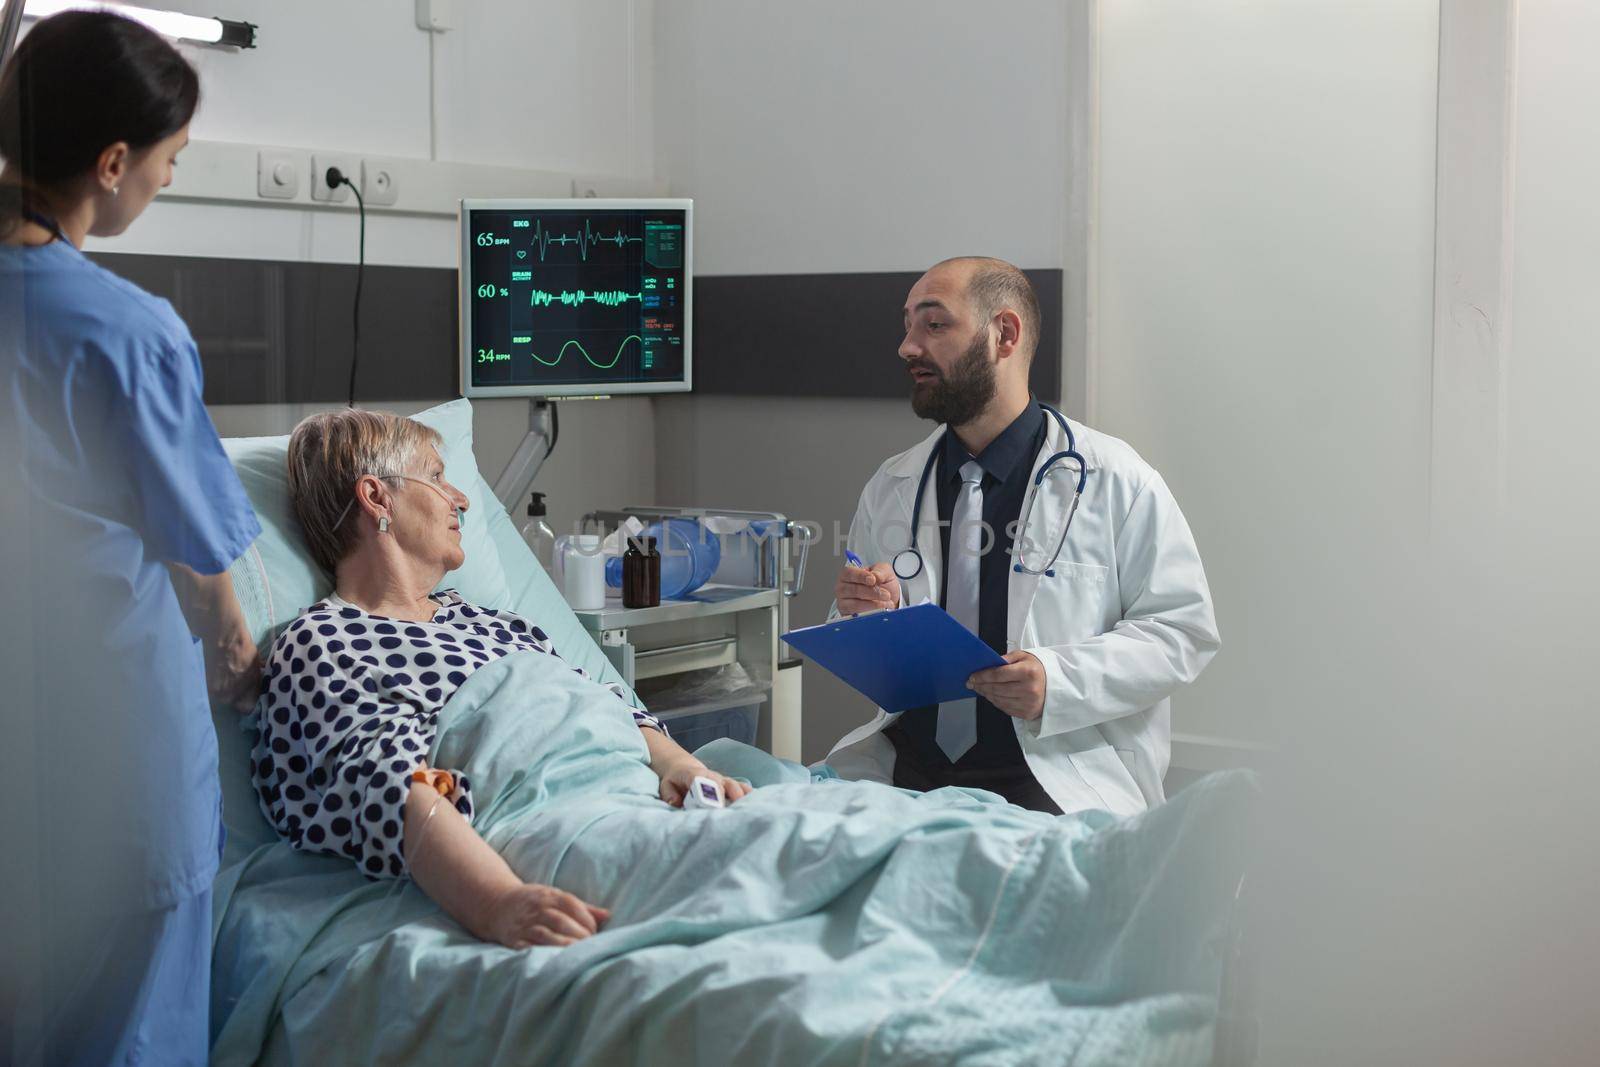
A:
{"x": 378, "y": 185}
{"x": 278, "y": 175}
{"x": 319, "y": 178}
{"x": 436, "y": 16}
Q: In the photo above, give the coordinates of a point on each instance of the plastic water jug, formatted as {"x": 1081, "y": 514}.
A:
{"x": 690, "y": 555}
{"x": 580, "y": 571}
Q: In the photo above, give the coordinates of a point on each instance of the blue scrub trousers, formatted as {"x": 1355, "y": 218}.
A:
{"x": 131, "y": 989}
{"x": 173, "y": 1022}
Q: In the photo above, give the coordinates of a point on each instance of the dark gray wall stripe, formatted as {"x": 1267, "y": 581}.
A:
{"x": 827, "y": 334}
{"x": 279, "y": 332}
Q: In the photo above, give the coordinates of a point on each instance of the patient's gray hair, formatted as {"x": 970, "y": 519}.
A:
{"x": 996, "y": 285}
{"x": 328, "y": 454}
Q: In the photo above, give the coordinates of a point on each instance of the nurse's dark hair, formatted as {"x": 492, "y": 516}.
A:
{"x": 80, "y": 82}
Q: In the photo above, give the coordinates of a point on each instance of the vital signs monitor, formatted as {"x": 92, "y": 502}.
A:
{"x": 575, "y": 297}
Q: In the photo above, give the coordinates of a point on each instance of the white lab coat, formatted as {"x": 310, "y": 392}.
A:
{"x": 1126, "y": 620}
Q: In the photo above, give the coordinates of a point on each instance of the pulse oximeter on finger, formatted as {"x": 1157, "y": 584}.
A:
{"x": 704, "y": 793}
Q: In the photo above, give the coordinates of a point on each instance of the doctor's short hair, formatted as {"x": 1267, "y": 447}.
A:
{"x": 995, "y": 285}
{"x": 328, "y": 454}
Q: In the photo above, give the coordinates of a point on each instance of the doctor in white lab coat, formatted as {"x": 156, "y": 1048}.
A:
{"x": 1094, "y": 652}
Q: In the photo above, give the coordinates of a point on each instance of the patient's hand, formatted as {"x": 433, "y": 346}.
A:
{"x": 677, "y": 769}
{"x": 528, "y": 915}
{"x": 680, "y": 774}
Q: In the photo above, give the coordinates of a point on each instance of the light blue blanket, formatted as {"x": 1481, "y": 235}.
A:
{"x": 810, "y": 923}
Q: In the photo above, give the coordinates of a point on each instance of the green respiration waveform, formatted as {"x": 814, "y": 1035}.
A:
{"x": 610, "y": 298}
{"x": 585, "y": 353}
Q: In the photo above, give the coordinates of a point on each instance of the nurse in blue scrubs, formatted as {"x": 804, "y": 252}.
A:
{"x": 122, "y": 515}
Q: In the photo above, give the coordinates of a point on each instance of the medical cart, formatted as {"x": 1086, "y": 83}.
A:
{"x": 710, "y": 663}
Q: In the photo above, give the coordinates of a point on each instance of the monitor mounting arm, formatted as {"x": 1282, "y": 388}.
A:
{"x": 516, "y": 480}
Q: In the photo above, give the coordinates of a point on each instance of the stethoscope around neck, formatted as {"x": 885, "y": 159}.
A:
{"x": 907, "y": 563}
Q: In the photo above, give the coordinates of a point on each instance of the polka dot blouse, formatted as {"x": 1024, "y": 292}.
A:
{"x": 350, "y": 710}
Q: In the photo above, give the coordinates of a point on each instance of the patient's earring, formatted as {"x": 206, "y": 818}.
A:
{"x": 383, "y": 524}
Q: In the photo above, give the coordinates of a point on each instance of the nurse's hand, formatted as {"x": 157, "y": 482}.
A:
{"x": 233, "y": 667}
{"x": 1016, "y": 689}
{"x": 866, "y": 589}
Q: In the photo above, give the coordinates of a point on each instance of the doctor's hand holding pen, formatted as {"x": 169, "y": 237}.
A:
{"x": 862, "y": 588}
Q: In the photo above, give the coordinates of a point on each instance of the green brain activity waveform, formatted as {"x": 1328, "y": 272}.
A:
{"x": 610, "y": 298}
{"x": 585, "y": 353}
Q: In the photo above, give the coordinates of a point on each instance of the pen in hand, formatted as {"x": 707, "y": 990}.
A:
{"x": 862, "y": 588}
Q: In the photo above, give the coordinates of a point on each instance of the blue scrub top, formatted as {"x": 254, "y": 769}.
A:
{"x": 115, "y": 470}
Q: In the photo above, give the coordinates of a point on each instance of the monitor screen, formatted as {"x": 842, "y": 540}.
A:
{"x": 575, "y": 297}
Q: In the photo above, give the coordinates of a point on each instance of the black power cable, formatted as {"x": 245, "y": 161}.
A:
{"x": 555, "y": 428}
{"x": 335, "y": 178}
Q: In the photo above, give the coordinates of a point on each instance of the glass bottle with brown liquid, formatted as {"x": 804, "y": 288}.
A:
{"x": 641, "y": 574}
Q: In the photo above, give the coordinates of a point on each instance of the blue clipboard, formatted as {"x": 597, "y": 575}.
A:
{"x": 899, "y": 659}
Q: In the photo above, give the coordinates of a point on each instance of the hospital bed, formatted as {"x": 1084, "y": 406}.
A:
{"x": 313, "y": 965}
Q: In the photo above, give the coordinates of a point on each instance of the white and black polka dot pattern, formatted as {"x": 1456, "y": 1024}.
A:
{"x": 351, "y": 709}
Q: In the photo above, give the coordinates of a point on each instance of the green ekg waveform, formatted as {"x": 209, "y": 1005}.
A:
{"x": 585, "y": 239}
{"x": 610, "y": 298}
{"x": 585, "y": 353}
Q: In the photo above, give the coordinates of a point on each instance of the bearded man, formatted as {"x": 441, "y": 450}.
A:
{"x": 1092, "y": 590}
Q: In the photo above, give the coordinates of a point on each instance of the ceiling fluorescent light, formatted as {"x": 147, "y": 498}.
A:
{"x": 169, "y": 23}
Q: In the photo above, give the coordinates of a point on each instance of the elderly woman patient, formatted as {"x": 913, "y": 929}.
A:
{"x": 354, "y": 686}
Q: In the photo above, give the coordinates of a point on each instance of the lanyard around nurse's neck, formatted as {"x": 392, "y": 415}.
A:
{"x": 40, "y": 219}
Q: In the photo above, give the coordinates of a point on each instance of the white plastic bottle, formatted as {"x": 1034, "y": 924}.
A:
{"x": 536, "y": 531}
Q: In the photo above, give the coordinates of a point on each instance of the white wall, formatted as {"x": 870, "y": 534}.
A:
{"x": 1265, "y": 281}
{"x": 1266, "y": 237}
{"x": 1267, "y": 293}
{"x": 839, "y": 136}
{"x": 1554, "y": 375}
{"x": 562, "y": 85}
{"x": 835, "y": 137}
{"x": 1518, "y": 931}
